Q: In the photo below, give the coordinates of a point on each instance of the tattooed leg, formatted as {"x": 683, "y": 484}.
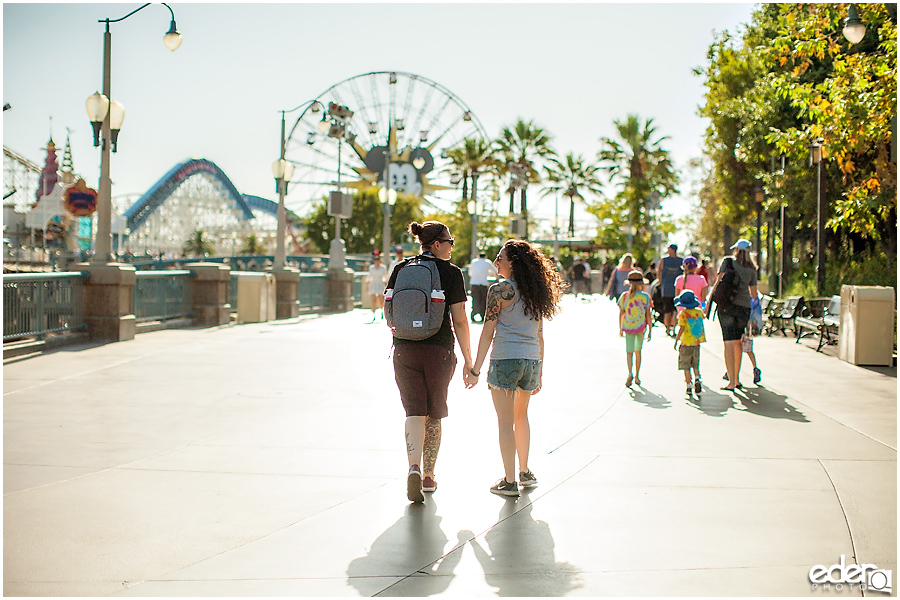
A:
{"x": 415, "y": 438}
{"x": 432, "y": 445}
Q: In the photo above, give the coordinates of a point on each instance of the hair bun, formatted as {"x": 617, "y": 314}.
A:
{"x": 415, "y": 229}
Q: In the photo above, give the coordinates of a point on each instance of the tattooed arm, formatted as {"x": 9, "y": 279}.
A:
{"x": 499, "y": 297}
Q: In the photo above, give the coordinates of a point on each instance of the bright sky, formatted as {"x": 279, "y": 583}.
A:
{"x": 572, "y": 68}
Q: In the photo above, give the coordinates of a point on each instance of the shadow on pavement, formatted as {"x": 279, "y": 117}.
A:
{"x": 522, "y": 561}
{"x": 414, "y": 545}
{"x": 712, "y": 403}
{"x": 648, "y": 398}
{"x": 767, "y": 403}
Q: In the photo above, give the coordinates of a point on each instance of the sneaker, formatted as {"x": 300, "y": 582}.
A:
{"x": 505, "y": 488}
{"x": 414, "y": 485}
{"x": 689, "y": 390}
{"x": 757, "y": 375}
{"x": 527, "y": 479}
{"x": 697, "y": 386}
{"x": 429, "y": 484}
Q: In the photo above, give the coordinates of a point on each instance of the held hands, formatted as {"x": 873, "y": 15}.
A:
{"x": 471, "y": 380}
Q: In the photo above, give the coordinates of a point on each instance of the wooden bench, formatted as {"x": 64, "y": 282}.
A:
{"x": 826, "y": 323}
{"x": 785, "y": 316}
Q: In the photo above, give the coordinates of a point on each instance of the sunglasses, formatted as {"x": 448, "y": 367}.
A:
{"x": 451, "y": 240}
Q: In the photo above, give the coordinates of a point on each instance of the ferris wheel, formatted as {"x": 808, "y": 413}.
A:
{"x": 342, "y": 137}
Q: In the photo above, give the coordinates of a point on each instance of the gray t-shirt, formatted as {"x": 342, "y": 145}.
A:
{"x": 748, "y": 279}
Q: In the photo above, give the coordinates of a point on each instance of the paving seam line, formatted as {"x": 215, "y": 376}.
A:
{"x": 592, "y": 423}
{"x": 804, "y": 404}
{"x": 843, "y": 510}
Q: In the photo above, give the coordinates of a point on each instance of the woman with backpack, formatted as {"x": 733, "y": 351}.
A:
{"x": 734, "y": 305}
{"x": 423, "y": 367}
{"x": 516, "y": 307}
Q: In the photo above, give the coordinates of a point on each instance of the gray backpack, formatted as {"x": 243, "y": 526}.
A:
{"x": 414, "y": 308}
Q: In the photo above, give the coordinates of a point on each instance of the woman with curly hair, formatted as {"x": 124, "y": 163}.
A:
{"x": 516, "y": 307}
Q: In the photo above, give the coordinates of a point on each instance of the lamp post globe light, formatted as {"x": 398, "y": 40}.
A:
{"x": 854, "y": 28}
{"x": 106, "y": 118}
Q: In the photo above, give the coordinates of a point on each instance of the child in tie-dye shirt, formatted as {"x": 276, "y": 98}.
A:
{"x": 634, "y": 319}
{"x": 691, "y": 334}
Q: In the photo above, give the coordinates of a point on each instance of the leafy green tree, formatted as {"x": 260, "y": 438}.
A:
{"x": 198, "y": 245}
{"x": 526, "y": 146}
{"x": 640, "y": 166}
{"x": 253, "y": 246}
{"x": 790, "y": 79}
{"x": 362, "y": 232}
{"x": 570, "y": 177}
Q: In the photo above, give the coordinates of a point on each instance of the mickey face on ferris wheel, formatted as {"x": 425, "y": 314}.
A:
{"x": 404, "y": 176}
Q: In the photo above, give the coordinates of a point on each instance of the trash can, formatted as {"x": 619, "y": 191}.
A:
{"x": 866, "y": 335}
{"x": 255, "y": 297}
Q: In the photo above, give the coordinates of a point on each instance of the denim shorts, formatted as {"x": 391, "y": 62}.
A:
{"x": 512, "y": 373}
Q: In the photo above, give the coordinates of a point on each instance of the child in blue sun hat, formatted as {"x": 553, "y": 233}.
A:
{"x": 691, "y": 334}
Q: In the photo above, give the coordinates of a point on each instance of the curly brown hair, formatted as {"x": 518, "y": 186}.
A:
{"x": 540, "y": 284}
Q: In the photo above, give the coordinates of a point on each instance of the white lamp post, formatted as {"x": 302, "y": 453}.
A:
{"x": 388, "y": 198}
{"x": 283, "y": 171}
{"x": 106, "y": 117}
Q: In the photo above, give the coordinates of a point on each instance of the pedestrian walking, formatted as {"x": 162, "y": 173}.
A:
{"x": 747, "y": 348}
{"x": 734, "y": 316}
{"x": 513, "y": 331}
{"x": 691, "y": 281}
{"x": 398, "y": 258}
{"x": 691, "y": 334}
{"x": 423, "y": 368}
{"x": 580, "y": 274}
{"x": 668, "y": 271}
{"x": 616, "y": 286}
{"x": 703, "y": 270}
{"x": 480, "y": 271}
{"x": 634, "y": 319}
{"x": 377, "y": 279}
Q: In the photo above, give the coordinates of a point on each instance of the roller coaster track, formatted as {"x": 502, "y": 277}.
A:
{"x": 141, "y": 210}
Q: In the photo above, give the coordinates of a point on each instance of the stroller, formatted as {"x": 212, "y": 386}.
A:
{"x": 656, "y": 301}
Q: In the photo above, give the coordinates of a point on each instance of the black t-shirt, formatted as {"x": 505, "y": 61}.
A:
{"x": 454, "y": 292}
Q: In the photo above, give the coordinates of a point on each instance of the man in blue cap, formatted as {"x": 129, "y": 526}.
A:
{"x": 668, "y": 271}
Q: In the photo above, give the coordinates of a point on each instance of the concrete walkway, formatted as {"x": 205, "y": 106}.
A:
{"x": 268, "y": 460}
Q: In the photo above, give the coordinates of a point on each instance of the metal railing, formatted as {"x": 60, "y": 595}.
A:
{"x": 313, "y": 291}
{"x": 38, "y": 304}
{"x": 160, "y": 295}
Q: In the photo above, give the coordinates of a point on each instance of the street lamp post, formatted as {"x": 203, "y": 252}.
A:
{"x": 760, "y": 196}
{"x": 816, "y": 158}
{"x": 106, "y": 116}
{"x": 283, "y": 171}
{"x": 473, "y": 211}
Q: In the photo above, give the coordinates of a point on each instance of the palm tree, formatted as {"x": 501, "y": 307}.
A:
{"x": 473, "y": 158}
{"x": 521, "y": 148}
{"x": 198, "y": 244}
{"x": 570, "y": 177}
{"x": 639, "y": 163}
{"x": 253, "y": 246}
